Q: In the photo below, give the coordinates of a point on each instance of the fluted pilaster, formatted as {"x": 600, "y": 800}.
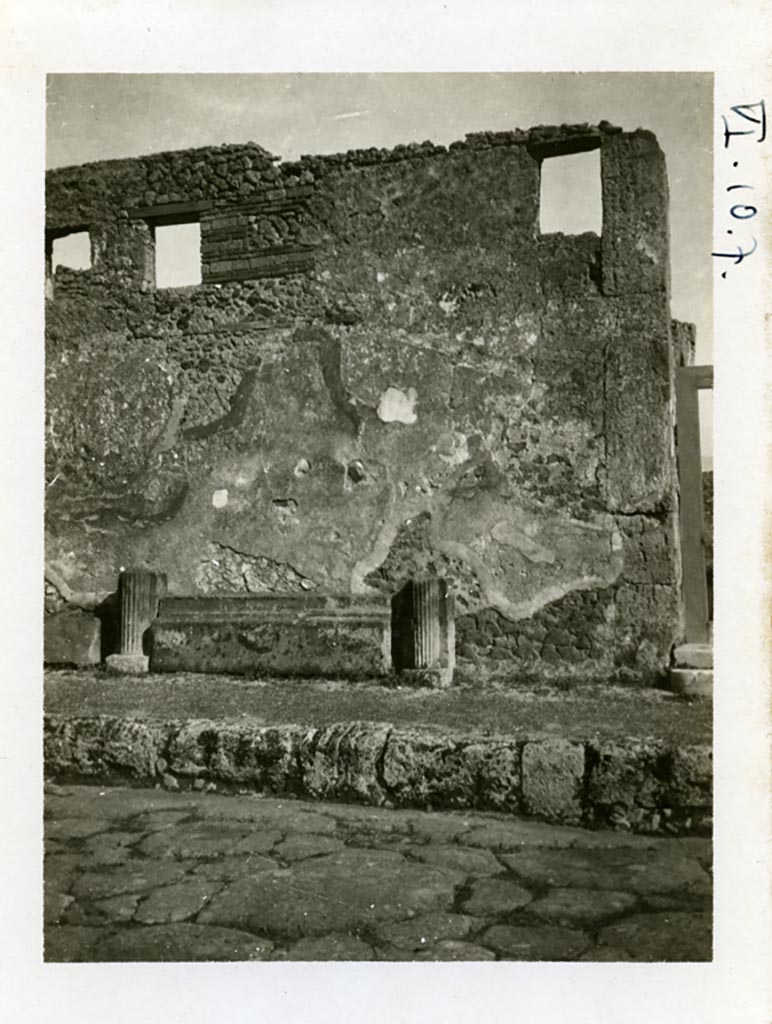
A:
{"x": 423, "y": 631}
{"x": 139, "y": 591}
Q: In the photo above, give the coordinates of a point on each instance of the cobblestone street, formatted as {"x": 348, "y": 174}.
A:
{"x": 146, "y": 875}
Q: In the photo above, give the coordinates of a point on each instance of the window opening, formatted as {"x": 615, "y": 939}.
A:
{"x": 72, "y": 251}
{"x": 177, "y": 254}
{"x": 570, "y": 201}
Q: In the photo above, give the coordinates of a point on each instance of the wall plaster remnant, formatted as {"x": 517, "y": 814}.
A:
{"x": 229, "y": 571}
{"x": 396, "y": 406}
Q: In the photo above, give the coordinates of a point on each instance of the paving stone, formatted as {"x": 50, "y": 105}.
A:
{"x": 71, "y": 943}
{"x": 396, "y": 842}
{"x": 583, "y": 907}
{"x": 370, "y": 819}
{"x": 439, "y": 828}
{"x": 452, "y": 950}
{"x": 159, "y": 821}
{"x": 118, "y": 803}
{"x": 85, "y": 914}
{"x": 60, "y": 869}
{"x": 108, "y": 848}
{"x": 257, "y": 842}
{"x": 493, "y": 896}
{"x": 228, "y": 869}
{"x": 59, "y": 872}
{"x": 688, "y": 902}
{"x": 285, "y": 815}
{"x": 231, "y": 807}
{"x": 203, "y": 839}
{"x": 424, "y": 931}
{"x": 298, "y": 847}
{"x": 662, "y": 936}
{"x": 182, "y": 942}
{"x": 176, "y": 902}
{"x": 514, "y": 835}
{"x": 118, "y": 908}
{"x": 536, "y": 942}
{"x": 134, "y": 876}
{"x": 669, "y": 874}
{"x": 605, "y": 955}
{"x": 618, "y": 869}
{"x": 340, "y": 892}
{"x": 330, "y": 947}
{"x": 459, "y": 858}
{"x": 74, "y": 828}
{"x": 52, "y": 846}
{"x": 384, "y": 885}
{"x": 55, "y": 905}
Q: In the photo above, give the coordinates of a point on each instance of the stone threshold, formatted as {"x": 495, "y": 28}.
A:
{"x": 597, "y": 757}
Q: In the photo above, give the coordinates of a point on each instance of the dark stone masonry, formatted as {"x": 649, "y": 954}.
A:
{"x": 387, "y": 373}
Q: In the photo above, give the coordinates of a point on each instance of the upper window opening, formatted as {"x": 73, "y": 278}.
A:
{"x": 570, "y": 199}
{"x": 73, "y": 251}
{"x": 177, "y": 255}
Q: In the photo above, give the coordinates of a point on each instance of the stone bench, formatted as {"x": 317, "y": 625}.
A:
{"x": 300, "y": 635}
{"x": 347, "y": 636}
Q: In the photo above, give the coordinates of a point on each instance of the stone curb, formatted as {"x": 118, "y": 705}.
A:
{"x": 640, "y": 785}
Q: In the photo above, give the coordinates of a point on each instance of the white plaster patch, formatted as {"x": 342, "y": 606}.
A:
{"x": 453, "y": 448}
{"x": 220, "y": 498}
{"x": 448, "y": 305}
{"x": 396, "y": 406}
{"x": 642, "y": 245}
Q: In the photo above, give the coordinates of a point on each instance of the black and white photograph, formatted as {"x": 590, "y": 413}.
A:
{"x": 386, "y": 513}
{"x": 378, "y": 512}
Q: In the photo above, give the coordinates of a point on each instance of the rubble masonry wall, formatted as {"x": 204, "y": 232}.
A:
{"x": 387, "y": 370}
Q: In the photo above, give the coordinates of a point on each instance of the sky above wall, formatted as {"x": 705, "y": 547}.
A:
{"x": 98, "y": 117}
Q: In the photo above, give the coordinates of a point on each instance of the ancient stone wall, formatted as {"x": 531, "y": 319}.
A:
{"x": 386, "y": 370}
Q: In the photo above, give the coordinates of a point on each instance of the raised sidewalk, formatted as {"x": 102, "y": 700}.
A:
{"x": 633, "y": 759}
